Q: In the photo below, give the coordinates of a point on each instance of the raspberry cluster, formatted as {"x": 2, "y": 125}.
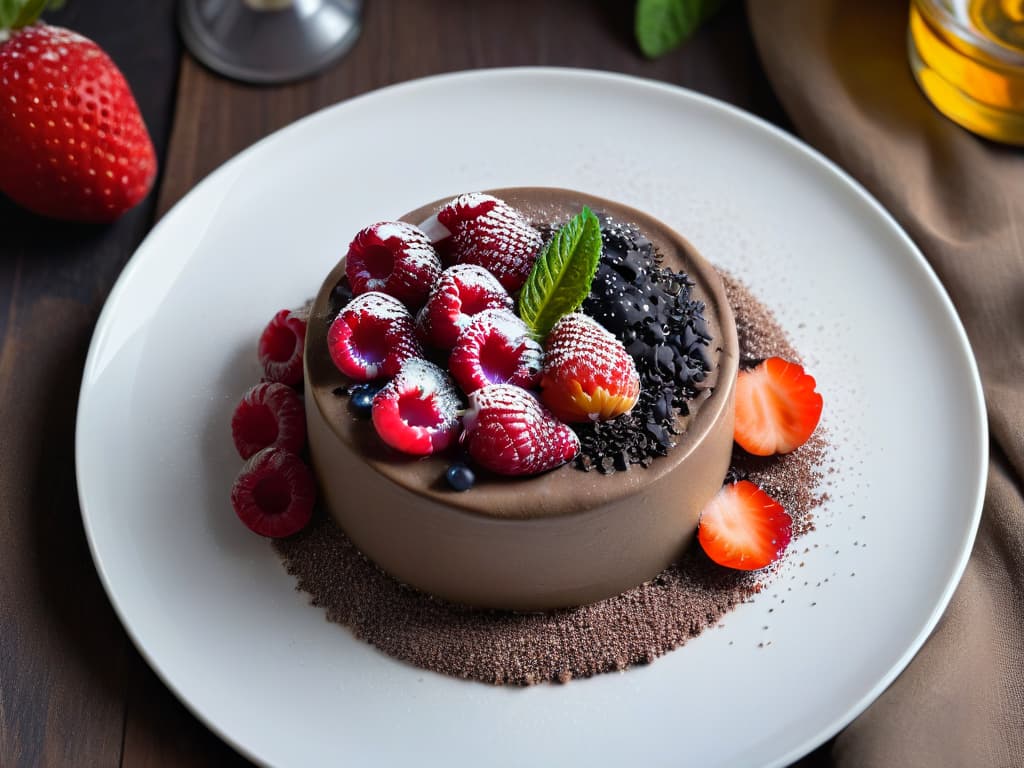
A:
{"x": 430, "y": 308}
{"x": 275, "y": 491}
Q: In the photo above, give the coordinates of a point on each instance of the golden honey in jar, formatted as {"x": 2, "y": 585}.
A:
{"x": 968, "y": 58}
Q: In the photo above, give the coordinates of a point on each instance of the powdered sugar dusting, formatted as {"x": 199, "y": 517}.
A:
{"x": 378, "y": 305}
{"x": 474, "y": 277}
{"x": 429, "y": 381}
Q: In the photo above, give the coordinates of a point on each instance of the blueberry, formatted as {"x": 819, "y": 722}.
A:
{"x": 460, "y": 477}
{"x": 362, "y": 399}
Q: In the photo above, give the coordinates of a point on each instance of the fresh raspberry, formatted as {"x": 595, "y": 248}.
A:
{"x": 274, "y": 493}
{"x": 418, "y": 411}
{"x": 395, "y": 258}
{"x": 588, "y": 375}
{"x": 269, "y": 415}
{"x": 481, "y": 229}
{"x": 495, "y": 348}
{"x": 280, "y": 348}
{"x": 509, "y": 432}
{"x": 372, "y": 337}
{"x": 462, "y": 291}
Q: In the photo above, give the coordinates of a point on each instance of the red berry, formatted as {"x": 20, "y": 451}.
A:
{"x": 418, "y": 411}
{"x": 274, "y": 493}
{"x": 481, "y": 229}
{"x": 461, "y": 292}
{"x": 743, "y": 527}
{"x": 280, "y": 348}
{"x": 777, "y": 408}
{"x": 588, "y": 375}
{"x": 395, "y": 258}
{"x": 495, "y": 348}
{"x": 509, "y": 432}
{"x": 270, "y": 414}
{"x": 72, "y": 142}
{"x": 372, "y": 336}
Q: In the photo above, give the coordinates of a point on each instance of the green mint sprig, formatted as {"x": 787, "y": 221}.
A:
{"x": 661, "y": 25}
{"x": 561, "y": 276}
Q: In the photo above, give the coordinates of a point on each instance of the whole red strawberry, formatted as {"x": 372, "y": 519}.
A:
{"x": 588, "y": 375}
{"x": 72, "y": 141}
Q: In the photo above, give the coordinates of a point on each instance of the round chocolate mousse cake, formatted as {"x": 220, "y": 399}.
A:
{"x": 609, "y": 491}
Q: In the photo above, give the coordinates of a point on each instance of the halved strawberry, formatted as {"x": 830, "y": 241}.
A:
{"x": 777, "y": 408}
{"x": 744, "y": 528}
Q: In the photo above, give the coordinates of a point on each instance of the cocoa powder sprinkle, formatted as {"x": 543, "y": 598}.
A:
{"x": 635, "y": 627}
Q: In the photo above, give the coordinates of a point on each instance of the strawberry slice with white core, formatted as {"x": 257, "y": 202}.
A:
{"x": 509, "y": 432}
{"x": 418, "y": 411}
{"x": 744, "y": 528}
{"x": 372, "y": 336}
{"x": 395, "y": 258}
{"x": 462, "y": 291}
{"x": 777, "y": 408}
{"x": 495, "y": 348}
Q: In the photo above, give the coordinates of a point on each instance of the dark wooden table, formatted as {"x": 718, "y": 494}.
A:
{"x": 73, "y": 689}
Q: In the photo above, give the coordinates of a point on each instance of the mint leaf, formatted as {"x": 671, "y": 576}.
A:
{"x": 562, "y": 274}
{"x": 661, "y": 25}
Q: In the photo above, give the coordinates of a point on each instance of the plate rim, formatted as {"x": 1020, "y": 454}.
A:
{"x": 221, "y": 175}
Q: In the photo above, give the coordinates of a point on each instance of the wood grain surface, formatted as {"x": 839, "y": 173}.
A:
{"x": 73, "y": 690}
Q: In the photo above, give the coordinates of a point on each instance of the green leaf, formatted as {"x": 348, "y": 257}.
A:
{"x": 561, "y": 276}
{"x": 15, "y": 14}
{"x": 29, "y": 13}
{"x": 9, "y": 12}
{"x": 661, "y": 25}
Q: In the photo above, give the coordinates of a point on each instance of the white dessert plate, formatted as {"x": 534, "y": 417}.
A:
{"x": 210, "y": 606}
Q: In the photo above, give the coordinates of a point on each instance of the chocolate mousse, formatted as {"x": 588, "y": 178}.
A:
{"x": 561, "y": 538}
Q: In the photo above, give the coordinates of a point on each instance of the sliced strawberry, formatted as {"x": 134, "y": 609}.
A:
{"x": 418, "y": 411}
{"x": 588, "y": 375}
{"x": 270, "y": 414}
{"x": 280, "y": 348}
{"x": 495, "y": 348}
{"x": 481, "y": 229}
{"x": 509, "y": 432}
{"x": 461, "y": 292}
{"x": 274, "y": 493}
{"x": 744, "y": 528}
{"x": 372, "y": 336}
{"x": 395, "y": 258}
{"x": 777, "y": 408}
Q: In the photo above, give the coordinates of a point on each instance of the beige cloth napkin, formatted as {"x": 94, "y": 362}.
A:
{"x": 840, "y": 70}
